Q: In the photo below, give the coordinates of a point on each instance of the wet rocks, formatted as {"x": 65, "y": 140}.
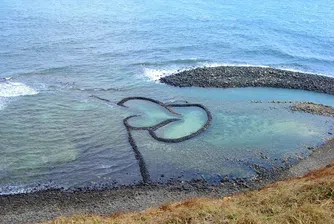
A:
{"x": 313, "y": 108}
{"x": 239, "y": 76}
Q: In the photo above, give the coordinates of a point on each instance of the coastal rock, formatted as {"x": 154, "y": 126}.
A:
{"x": 313, "y": 108}
{"x": 240, "y": 76}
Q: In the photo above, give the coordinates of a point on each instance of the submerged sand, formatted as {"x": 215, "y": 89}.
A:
{"x": 47, "y": 205}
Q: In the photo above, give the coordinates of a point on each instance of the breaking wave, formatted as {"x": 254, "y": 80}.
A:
{"x": 154, "y": 74}
{"x": 13, "y": 89}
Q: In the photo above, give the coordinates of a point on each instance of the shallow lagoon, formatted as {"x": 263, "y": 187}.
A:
{"x": 57, "y": 139}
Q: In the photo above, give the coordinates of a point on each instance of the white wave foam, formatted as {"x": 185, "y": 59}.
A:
{"x": 156, "y": 74}
{"x": 212, "y": 65}
{"x": 21, "y": 189}
{"x": 264, "y": 66}
{"x": 301, "y": 71}
{"x": 13, "y": 89}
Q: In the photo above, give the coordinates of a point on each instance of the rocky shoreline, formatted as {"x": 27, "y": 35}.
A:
{"x": 240, "y": 76}
{"x": 49, "y": 204}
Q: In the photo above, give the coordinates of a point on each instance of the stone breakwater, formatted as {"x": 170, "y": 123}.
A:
{"x": 239, "y": 76}
{"x": 151, "y": 129}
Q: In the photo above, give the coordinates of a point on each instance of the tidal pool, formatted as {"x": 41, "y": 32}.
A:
{"x": 242, "y": 135}
{"x": 191, "y": 120}
{"x": 67, "y": 139}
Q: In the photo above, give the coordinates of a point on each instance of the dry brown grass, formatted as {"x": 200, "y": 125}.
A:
{"x": 309, "y": 199}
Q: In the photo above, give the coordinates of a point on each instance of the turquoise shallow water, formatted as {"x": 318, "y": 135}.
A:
{"x": 55, "y": 55}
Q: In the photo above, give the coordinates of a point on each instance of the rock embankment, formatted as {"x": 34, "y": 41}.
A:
{"x": 239, "y": 76}
{"x": 313, "y": 108}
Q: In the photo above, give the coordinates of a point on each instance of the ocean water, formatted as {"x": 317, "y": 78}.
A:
{"x": 54, "y": 55}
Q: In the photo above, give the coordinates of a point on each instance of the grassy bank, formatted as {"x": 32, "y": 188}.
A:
{"x": 309, "y": 199}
